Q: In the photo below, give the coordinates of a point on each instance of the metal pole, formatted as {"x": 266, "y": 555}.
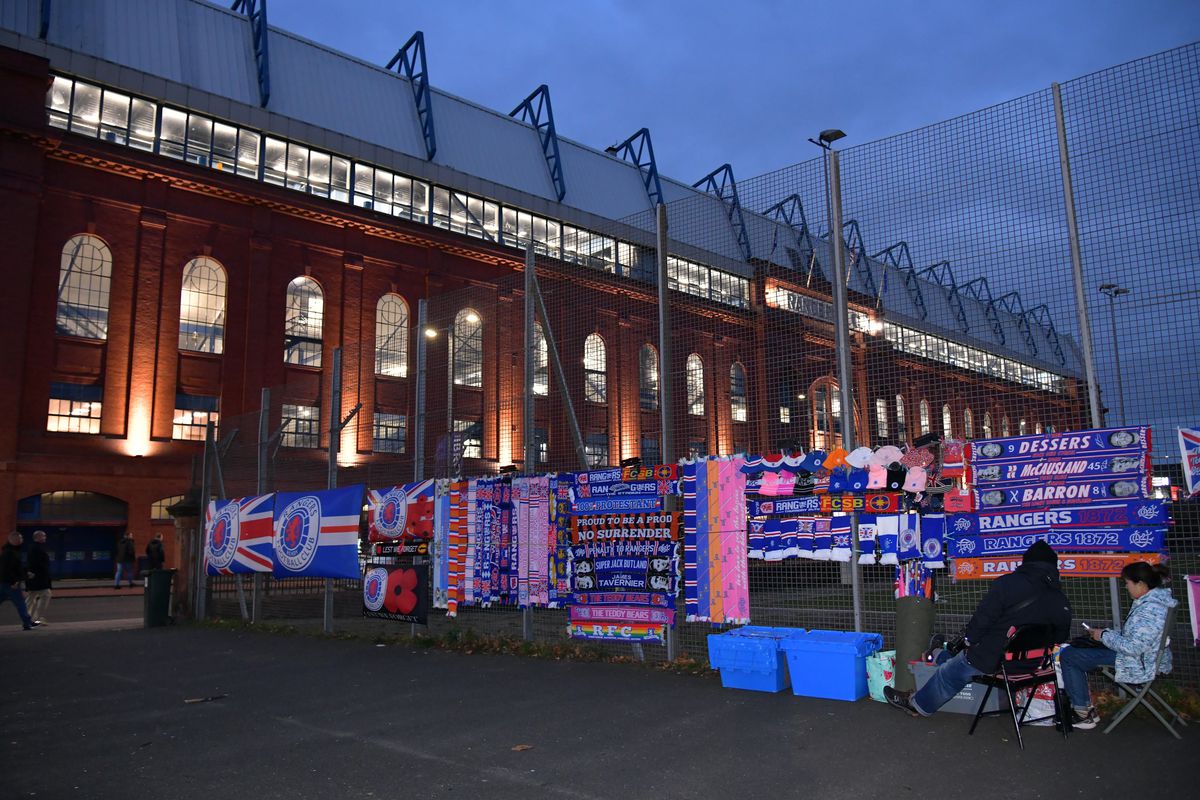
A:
{"x": 1081, "y": 310}
{"x": 264, "y": 443}
{"x": 1112, "y": 316}
{"x": 530, "y": 445}
{"x": 841, "y": 329}
{"x": 419, "y": 417}
{"x": 198, "y": 570}
{"x": 335, "y": 417}
{"x": 560, "y": 377}
{"x": 667, "y": 452}
{"x": 453, "y": 451}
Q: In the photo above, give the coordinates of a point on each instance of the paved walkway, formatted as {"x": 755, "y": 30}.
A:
{"x": 102, "y": 714}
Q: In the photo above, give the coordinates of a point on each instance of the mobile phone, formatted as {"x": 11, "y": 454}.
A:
{"x": 1086, "y": 627}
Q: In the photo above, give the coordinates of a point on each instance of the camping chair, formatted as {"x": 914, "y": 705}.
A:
{"x": 1028, "y": 663}
{"x": 1139, "y": 693}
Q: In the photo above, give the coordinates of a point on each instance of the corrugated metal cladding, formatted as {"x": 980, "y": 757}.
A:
{"x": 208, "y": 48}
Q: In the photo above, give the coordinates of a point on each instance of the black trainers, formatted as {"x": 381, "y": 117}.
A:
{"x": 900, "y": 700}
{"x": 31, "y": 626}
{"x": 1084, "y": 722}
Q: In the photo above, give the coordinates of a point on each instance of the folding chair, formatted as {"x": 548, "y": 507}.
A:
{"x": 1139, "y": 692}
{"x": 1028, "y": 663}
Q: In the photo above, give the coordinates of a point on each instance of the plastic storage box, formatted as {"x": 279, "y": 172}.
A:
{"x": 967, "y": 700}
{"x": 830, "y": 664}
{"x": 750, "y": 658}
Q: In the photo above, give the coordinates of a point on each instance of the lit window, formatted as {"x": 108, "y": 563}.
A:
{"x": 595, "y": 370}
{"x": 737, "y": 392}
{"x": 541, "y": 442}
{"x": 648, "y": 379}
{"x": 947, "y": 423}
{"x": 303, "y": 323}
{"x": 467, "y": 348}
{"x": 1004, "y": 428}
{"x": 84, "y": 281}
{"x": 881, "y": 417}
{"x": 391, "y": 336}
{"x": 968, "y": 424}
{"x": 468, "y": 434}
{"x": 202, "y": 307}
{"x": 158, "y": 509}
{"x": 192, "y": 414}
{"x": 389, "y": 432}
{"x": 925, "y": 423}
{"x": 463, "y": 213}
{"x": 541, "y": 362}
{"x": 694, "y": 373}
{"x": 595, "y": 449}
{"x": 1037, "y": 428}
{"x": 101, "y": 113}
{"x": 901, "y": 428}
{"x": 382, "y": 191}
{"x": 826, "y": 414}
{"x": 987, "y": 425}
{"x": 74, "y": 408}
{"x": 1022, "y": 427}
{"x": 301, "y": 426}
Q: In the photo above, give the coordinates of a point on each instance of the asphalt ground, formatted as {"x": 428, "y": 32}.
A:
{"x": 103, "y": 713}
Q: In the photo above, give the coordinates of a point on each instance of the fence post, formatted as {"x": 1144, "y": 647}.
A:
{"x": 198, "y": 549}
{"x": 419, "y": 417}
{"x": 264, "y": 443}
{"x": 665, "y": 407}
{"x": 842, "y": 334}
{"x": 530, "y": 457}
{"x": 335, "y": 417}
{"x": 1081, "y": 309}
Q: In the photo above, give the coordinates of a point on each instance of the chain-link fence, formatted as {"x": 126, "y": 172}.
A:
{"x": 963, "y": 324}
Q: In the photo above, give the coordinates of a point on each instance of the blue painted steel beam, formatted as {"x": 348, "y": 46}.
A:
{"x": 410, "y": 59}
{"x": 943, "y": 276}
{"x": 856, "y": 252}
{"x": 1041, "y": 315}
{"x": 640, "y": 150}
{"x": 256, "y": 12}
{"x": 536, "y": 110}
{"x": 721, "y": 183}
{"x": 44, "y": 21}
{"x": 899, "y": 257}
{"x": 790, "y": 211}
{"x": 980, "y": 290}
{"x": 1011, "y": 303}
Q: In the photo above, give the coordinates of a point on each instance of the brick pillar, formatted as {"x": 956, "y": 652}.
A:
{"x": 354, "y": 362}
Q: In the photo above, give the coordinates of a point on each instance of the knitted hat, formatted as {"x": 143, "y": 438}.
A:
{"x": 813, "y": 461}
{"x": 877, "y": 478}
{"x": 836, "y": 457}
{"x": 1040, "y": 551}
{"x": 857, "y": 482}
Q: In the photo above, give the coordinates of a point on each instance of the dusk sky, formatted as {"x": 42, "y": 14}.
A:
{"x": 747, "y": 83}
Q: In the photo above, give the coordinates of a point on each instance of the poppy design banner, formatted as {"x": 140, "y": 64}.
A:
{"x": 1089, "y": 565}
{"x": 316, "y": 533}
{"x": 401, "y": 512}
{"x": 1057, "y": 446}
{"x": 237, "y": 535}
{"x": 399, "y": 593}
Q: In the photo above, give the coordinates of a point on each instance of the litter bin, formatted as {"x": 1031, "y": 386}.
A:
{"x": 156, "y": 598}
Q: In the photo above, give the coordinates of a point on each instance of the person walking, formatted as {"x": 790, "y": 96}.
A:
{"x": 126, "y": 560}
{"x": 156, "y": 556}
{"x": 37, "y": 586}
{"x": 12, "y": 573}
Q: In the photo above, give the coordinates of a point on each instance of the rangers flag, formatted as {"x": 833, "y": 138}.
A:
{"x": 401, "y": 512}
{"x": 316, "y": 533}
{"x": 1189, "y": 449}
{"x": 237, "y": 535}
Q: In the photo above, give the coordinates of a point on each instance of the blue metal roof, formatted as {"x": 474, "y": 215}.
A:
{"x": 200, "y": 55}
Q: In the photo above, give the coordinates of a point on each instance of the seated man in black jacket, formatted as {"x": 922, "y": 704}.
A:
{"x": 1031, "y": 595}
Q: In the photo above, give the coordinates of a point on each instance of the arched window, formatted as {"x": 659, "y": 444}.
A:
{"x": 737, "y": 392}
{"x": 826, "y": 414}
{"x": 466, "y": 348}
{"x": 648, "y": 378}
{"x": 695, "y": 385}
{"x": 541, "y": 362}
{"x": 968, "y": 424}
{"x": 1037, "y": 427}
{"x": 947, "y": 423}
{"x": 391, "y": 336}
{"x": 303, "y": 322}
{"x": 1049, "y": 428}
{"x": 1022, "y": 427}
{"x": 901, "y": 427}
{"x": 1004, "y": 429}
{"x": 925, "y": 423}
{"x": 84, "y": 281}
{"x": 595, "y": 370}
{"x": 987, "y": 425}
{"x": 202, "y": 307}
{"x": 881, "y": 417}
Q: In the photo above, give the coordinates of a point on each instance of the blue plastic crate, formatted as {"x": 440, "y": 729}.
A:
{"x": 830, "y": 664}
{"x": 750, "y": 658}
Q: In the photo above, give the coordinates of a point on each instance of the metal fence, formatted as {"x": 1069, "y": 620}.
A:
{"x": 971, "y": 305}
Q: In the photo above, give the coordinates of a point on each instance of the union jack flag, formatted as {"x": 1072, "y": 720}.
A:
{"x": 1189, "y": 449}
{"x": 401, "y": 512}
{"x": 237, "y": 535}
{"x": 316, "y": 533}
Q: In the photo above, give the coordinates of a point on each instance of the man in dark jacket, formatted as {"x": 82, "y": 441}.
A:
{"x": 37, "y": 587}
{"x": 1031, "y": 595}
{"x": 156, "y": 556}
{"x": 126, "y": 560}
{"x": 12, "y": 572}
